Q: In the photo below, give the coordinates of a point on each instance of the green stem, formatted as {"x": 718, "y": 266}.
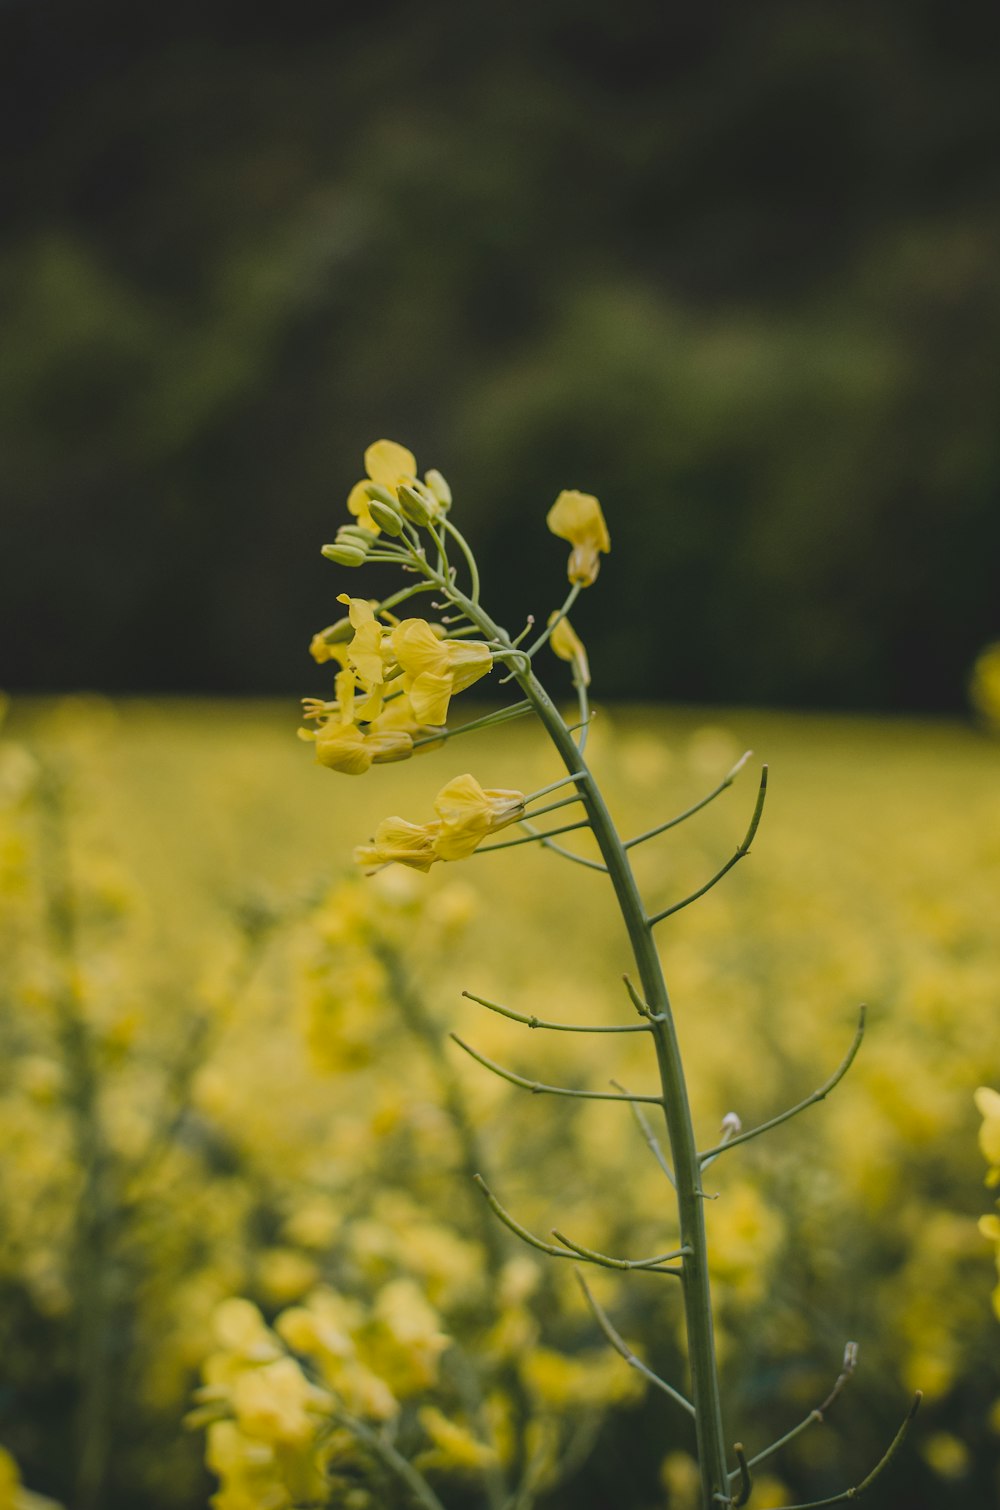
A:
{"x": 706, "y": 1400}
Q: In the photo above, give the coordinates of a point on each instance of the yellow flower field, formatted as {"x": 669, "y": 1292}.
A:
{"x": 239, "y": 1146}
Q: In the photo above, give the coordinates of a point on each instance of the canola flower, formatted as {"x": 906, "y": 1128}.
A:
{"x": 435, "y": 662}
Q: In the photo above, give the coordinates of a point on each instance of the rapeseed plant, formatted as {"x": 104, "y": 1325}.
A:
{"x": 407, "y": 523}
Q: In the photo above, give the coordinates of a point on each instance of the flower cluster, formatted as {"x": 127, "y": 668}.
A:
{"x": 394, "y": 686}
{"x": 988, "y": 1103}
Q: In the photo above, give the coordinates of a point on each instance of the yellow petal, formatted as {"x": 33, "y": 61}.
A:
{"x": 468, "y": 660}
{"x": 430, "y": 694}
{"x": 342, "y": 747}
{"x": 417, "y": 648}
{"x": 387, "y": 462}
{"x": 357, "y": 504}
{"x": 577, "y": 517}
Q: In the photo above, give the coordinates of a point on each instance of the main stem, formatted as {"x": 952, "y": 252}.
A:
{"x": 676, "y": 1107}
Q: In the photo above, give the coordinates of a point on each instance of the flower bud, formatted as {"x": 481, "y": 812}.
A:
{"x": 344, "y": 555}
{"x": 386, "y": 516}
{"x": 413, "y": 504}
{"x": 377, "y": 493}
{"x": 356, "y": 534}
{"x": 439, "y": 487}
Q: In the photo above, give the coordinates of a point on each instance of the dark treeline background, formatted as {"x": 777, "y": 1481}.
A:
{"x": 732, "y": 266}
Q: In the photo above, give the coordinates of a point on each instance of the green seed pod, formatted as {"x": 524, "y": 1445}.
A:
{"x": 376, "y": 492}
{"x": 385, "y": 517}
{"x": 439, "y": 487}
{"x": 413, "y": 505}
{"x": 344, "y": 555}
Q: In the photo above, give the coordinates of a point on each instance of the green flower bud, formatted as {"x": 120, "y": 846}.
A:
{"x": 344, "y": 555}
{"x": 356, "y": 534}
{"x": 376, "y": 492}
{"x": 385, "y": 517}
{"x": 413, "y": 504}
{"x": 438, "y": 486}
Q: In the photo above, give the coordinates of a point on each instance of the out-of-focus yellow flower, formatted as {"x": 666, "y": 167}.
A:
{"x": 276, "y": 1403}
{"x": 568, "y": 646}
{"x": 436, "y": 669}
{"x": 984, "y": 684}
{"x": 577, "y": 517}
{"x": 387, "y": 463}
{"x": 454, "y": 1446}
{"x": 13, "y": 1495}
{"x": 469, "y": 813}
{"x": 988, "y": 1105}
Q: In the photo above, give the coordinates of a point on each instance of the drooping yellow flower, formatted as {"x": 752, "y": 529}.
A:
{"x": 387, "y": 463}
{"x": 568, "y": 646}
{"x": 276, "y": 1403}
{"x": 577, "y": 517}
{"x": 436, "y": 669}
{"x": 400, "y": 842}
{"x": 469, "y": 813}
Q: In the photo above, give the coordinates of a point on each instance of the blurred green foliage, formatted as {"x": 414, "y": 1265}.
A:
{"x": 730, "y": 267}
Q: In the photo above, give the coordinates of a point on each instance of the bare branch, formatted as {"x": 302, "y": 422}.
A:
{"x": 647, "y": 1132}
{"x": 689, "y": 812}
{"x": 538, "y": 1089}
{"x": 554, "y": 1027}
{"x": 859, "y": 1489}
{"x": 622, "y": 1348}
{"x": 801, "y": 1106}
{"x": 742, "y": 849}
{"x": 649, "y": 1265}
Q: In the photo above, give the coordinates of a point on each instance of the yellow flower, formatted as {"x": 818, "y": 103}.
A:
{"x": 568, "y": 646}
{"x": 401, "y": 842}
{"x": 984, "y": 685}
{"x": 454, "y": 1446}
{"x": 988, "y": 1104}
{"x": 577, "y": 517}
{"x": 468, "y": 813}
{"x": 387, "y": 463}
{"x": 435, "y": 669}
{"x": 346, "y": 748}
{"x": 368, "y": 651}
{"x": 276, "y": 1403}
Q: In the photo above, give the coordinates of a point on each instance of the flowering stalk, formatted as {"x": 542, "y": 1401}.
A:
{"x": 430, "y": 664}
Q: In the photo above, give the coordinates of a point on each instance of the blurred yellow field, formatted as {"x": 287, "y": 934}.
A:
{"x": 228, "y": 1078}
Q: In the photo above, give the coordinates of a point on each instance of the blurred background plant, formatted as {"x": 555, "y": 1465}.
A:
{"x": 278, "y": 1142}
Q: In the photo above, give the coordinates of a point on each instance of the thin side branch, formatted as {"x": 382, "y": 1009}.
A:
{"x": 554, "y": 1027}
{"x": 533, "y": 837}
{"x": 639, "y": 1004}
{"x": 559, "y": 849}
{"x": 801, "y": 1106}
{"x": 642, "y": 1122}
{"x": 689, "y": 812}
{"x": 742, "y": 849}
{"x": 538, "y": 1089}
{"x": 622, "y": 1348}
{"x": 858, "y": 1490}
{"x": 654, "y": 1265}
{"x": 816, "y": 1416}
{"x": 514, "y": 1226}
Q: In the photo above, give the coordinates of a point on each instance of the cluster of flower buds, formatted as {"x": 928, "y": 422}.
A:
{"x": 386, "y": 500}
